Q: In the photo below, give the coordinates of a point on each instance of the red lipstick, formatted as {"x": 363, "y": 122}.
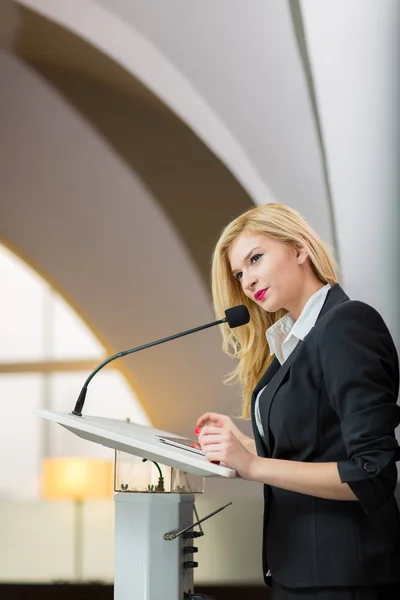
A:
{"x": 260, "y": 295}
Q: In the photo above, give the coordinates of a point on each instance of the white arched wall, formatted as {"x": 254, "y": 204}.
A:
{"x": 245, "y": 62}
{"x": 248, "y": 103}
{"x": 119, "y": 40}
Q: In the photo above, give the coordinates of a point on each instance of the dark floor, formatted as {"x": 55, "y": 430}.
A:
{"x": 105, "y": 592}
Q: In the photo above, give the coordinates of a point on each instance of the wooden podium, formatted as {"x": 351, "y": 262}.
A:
{"x": 154, "y": 558}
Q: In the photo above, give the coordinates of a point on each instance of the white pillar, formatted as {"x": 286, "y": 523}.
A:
{"x": 354, "y": 54}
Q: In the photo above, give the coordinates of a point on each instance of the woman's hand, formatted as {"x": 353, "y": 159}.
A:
{"x": 221, "y": 445}
{"x": 225, "y": 423}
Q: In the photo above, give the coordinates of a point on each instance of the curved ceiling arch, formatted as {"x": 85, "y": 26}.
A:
{"x": 191, "y": 185}
{"x": 138, "y": 56}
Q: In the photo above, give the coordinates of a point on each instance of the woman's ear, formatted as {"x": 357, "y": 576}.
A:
{"x": 301, "y": 254}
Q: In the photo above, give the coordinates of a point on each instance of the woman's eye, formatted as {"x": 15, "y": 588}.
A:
{"x": 238, "y": 276}
{"x": 255, "y": 258}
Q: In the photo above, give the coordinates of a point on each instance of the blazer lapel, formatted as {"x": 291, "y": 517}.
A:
{"x": 265, "y": 379}
{"x": 273, "y": 377}
{"x": 272, "y": 389}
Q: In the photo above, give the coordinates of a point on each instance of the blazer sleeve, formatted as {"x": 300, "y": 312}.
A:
{"x": 361, "y": 371}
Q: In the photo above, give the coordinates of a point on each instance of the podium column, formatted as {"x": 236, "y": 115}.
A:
{"x": 147, "y": 567}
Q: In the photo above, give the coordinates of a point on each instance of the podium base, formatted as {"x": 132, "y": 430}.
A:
{"x": 146, "y": 565}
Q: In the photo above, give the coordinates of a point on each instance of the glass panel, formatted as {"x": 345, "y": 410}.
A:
{"x": 20, "y": 435}
{"x": 21, "y": 310}
{"x": 72, "y": 338}
{"x": 108, "y": 395}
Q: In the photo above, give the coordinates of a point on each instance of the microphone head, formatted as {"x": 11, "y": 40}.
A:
{"x": 237, "y": 316}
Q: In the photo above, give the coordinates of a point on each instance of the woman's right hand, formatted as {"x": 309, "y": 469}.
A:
{"x": 226, "y": 423}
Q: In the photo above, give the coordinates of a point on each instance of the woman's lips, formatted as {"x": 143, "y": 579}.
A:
{"x": 259, "y": 296}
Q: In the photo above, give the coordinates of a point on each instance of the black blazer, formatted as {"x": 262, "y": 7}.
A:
{"x": 334, "y": 399}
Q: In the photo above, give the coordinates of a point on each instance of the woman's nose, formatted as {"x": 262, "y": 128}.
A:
{"x": 249, "y": 282}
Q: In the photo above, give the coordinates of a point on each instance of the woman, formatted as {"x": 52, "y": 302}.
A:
{"x": 319, "y": 375}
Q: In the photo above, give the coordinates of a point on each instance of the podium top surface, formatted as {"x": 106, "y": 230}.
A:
{"x": 139, "y": 440}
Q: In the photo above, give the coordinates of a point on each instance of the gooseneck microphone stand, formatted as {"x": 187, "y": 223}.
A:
{"x": 235, "y": 317}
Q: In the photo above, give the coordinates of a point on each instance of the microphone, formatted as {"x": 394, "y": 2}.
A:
{"x": 235, "y": 317}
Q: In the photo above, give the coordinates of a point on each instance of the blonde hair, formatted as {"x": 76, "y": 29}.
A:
{"x": 249, "y": 344}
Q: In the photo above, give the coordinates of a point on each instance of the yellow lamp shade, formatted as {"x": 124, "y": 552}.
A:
{"x": 77, "y": 479}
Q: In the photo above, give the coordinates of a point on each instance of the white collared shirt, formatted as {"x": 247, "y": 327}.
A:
{"x": 284, "y": 335}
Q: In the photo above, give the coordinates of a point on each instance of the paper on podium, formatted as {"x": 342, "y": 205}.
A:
{"x": 139, "y": 440}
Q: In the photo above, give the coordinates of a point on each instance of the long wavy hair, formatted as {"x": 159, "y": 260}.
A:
{"x": 248, "y": 345}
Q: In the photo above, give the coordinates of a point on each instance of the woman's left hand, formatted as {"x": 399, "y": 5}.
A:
{"x": 223, "y": 446}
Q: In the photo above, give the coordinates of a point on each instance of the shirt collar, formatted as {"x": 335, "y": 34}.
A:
{"x": 286, "y": 327}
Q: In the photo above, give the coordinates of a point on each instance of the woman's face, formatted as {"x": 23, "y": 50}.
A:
{"x": 270, "y": 273}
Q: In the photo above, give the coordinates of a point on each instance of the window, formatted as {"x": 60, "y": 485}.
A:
{"x": 46, "y": 353}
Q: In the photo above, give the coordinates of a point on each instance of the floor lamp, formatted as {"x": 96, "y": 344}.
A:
{"x": 79, "y": 480}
